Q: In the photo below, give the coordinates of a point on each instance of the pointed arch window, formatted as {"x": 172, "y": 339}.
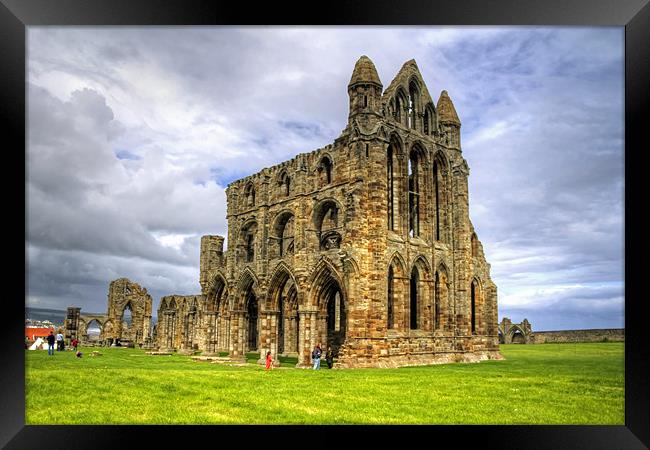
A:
{"x": 284, "y": 183}
{"x": 473, "y": 307}
{"x": 414, "y": 193}
{"x": 390, "y": 182}
{"x": 474, "y": 245}
{"x": 391, "y": 299}
{"x": 248, "y": 242}
{"x": 436, "y": 197}
{"x": 325, "y": 169}
{"x": 284, "y": 234}
{"x": 249, "y": 195}
{"x": 415, "y": 279}
{"x": 436, "y": 310}
{"x": 414, "y": 97}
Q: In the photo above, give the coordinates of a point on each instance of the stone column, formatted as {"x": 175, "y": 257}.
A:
{"x": 268, "y": 334}
{"x": 211, "y": 333}
{"x": 308, "y": 335}
{"x": 237, "y": 338}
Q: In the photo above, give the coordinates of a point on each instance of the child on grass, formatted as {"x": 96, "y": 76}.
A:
{"x": 269, "y": 361}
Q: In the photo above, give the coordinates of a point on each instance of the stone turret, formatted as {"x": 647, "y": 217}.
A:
{"x": 365, "y": 90}
{"x": 449, "y": 121}
{"x": 211, "y": 256}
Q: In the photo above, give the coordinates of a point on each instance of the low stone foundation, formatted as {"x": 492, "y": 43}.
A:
{"x": 418, "y": 360}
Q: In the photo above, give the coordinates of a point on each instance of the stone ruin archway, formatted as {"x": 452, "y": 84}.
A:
{"x": 515, "y": 333}
{"x": 125, "y": 296}
{"x": 330, "y": 301}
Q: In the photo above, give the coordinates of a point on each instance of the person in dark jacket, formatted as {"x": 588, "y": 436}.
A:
{"x": 50, "y": 344}
{"x": 329, "y": 357}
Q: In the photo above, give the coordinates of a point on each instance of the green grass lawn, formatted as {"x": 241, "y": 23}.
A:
{"x": 536, "y": 384}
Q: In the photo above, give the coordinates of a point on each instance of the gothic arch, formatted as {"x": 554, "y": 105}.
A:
{"x": 396, "y": 293}
{"x": 283, "y": 238}
{"x": 419, "y": 295}
{"x": 417, "y": 182}
{"x": 394, "y": 168}
{"x": 415, "y": 97}
{"x": 247, "y": 281}
{"x": 248, "y": 241}
{"x": 215, "y": 296}
{"x": 283, "y": 182}
{"x": 327, "y": 217}
{"x": 281, "y": 275}
{"x": 441, "y": 197}
{"x": 325, "y": 169}
{"x": 249, "y": 195}
{"x": 400, "y": 103}
{"x": 476, "y": 306}
{"x": 429, "y": 121}
{"x": 328, "y": 295}
{"x": 441, "y": 310}
{"x": 282, "y": 297}
{"x": 397, "y": 258}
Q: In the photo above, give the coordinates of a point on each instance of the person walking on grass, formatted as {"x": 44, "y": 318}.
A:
{"x": 74, "y": 344}
{"x": 50, "y": 344}
{"x": 329, "y": 357}
{"x": 269, "y": 361}
{"x": 315, "y": 356}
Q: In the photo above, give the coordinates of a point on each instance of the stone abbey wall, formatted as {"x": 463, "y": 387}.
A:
{"x": 595, "y": 335}
{"x": 123, "y": 296}
{"x": 364, "y": 245}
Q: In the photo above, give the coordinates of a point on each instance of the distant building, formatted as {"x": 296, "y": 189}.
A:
{"x": 34, "y": 332}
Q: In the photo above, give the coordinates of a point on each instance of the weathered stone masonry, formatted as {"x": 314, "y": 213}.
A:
{"x": 365, "y": 245}
{"x": 123, "y": 296}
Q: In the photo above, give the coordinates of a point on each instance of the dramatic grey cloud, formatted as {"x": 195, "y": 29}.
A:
{"x": 133, "y": 134}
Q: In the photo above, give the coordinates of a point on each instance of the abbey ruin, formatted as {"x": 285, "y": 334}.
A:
{"x": 364, "y": 245}
{"x": 125, "y": 298}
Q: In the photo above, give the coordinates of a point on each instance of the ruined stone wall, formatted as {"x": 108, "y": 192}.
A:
{"x": 365, "y": 244}
{"x": 594, "y": 335}
{"x": 180, "y": 322}
{"x": 122, "y": 295}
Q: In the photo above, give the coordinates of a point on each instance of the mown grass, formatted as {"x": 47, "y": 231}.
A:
{"x": 536, "y": 384}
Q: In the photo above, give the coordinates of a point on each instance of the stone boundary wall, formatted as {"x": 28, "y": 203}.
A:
{"x": 594, "y": 335}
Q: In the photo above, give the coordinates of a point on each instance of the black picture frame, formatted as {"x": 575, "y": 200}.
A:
{"x": 634, "y": 15}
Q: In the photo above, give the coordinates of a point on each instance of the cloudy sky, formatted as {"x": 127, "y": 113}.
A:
{"x": 133, "y": 134}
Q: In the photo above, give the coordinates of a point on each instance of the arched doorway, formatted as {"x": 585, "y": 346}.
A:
{"x": 283, "y": 298}
{"x": 94, "y": 331}
{"x": 518, "y": 337}
{"x": 330, "y": 299}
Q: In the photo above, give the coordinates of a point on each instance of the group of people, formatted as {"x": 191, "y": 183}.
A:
{"x": 315, "y": 357}
{"x": 60, "y": 344}
{"x": 318, "y": 352}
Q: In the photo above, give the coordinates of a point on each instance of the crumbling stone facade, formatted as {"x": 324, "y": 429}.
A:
{"x": 515, "y": 333}
{"x": 364, "y": 245}
{"x": 123, "y": 296}
{"x": 179, "y": 322}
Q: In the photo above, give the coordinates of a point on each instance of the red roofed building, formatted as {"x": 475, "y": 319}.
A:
{"x": 33, "y": 333}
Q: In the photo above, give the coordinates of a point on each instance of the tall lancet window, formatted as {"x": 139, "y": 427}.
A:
{"x": 391, "y": 306}
{"x": 436, "y": 196}
{"x": 413, "y": 104}
{"x": 473, "y": 307}
{"x": 414, "y": 194}
{"x": 390, "y": 185}
{"x": 415, "y": 279}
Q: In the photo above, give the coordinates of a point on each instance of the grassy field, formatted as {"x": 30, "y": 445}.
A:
{"x": 536, "y": 384}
